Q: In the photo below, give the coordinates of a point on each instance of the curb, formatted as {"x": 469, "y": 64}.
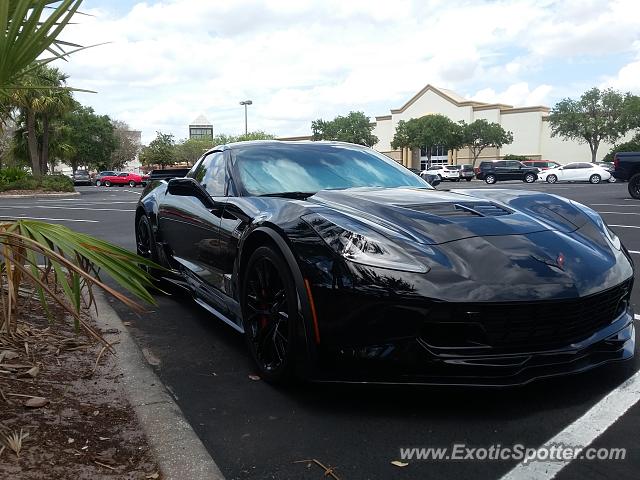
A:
{"x": 178, "y": 450}
{"x": 41, "y": 195}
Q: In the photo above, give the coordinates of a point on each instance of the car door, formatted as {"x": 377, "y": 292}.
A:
{"x": 121, "y": 179}
{"x": 514, "y": 170}
{"x": 501, "y": 170}
{"x": 585, "y": 170}
{"x": 570, "y": 172}
{"x": 190, "y": 225}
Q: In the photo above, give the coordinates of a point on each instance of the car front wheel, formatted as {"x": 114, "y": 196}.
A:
{"x": 595, "y": 178}
{"x": 490, "y": 179}
{"x": 269, "y": 304}
{"x": 132, "y": 183}
{"x": 107, "y": 183}
{"x": 552, "y": 179}
{"x": 98, "y": 183}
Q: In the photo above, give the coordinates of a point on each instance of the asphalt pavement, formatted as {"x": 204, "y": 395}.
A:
{"x": 256, "y": 431}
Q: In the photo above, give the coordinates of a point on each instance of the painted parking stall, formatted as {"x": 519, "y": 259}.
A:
{"x": 256, "y": 431}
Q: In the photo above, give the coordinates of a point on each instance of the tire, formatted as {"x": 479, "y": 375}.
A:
{"x": 146, "y": 245}
{"x": 98, "y": 183}
{"x": 634, "y": 186}
{"x": 595, "y": 179}
{"x": 132, "y": 183}
{"x": 455, "y": 179}
{"x": 107, "y": 183}
{"x": 552, "y": 179}
{"x": 490, "y": 178}
{"x": 269, "y": 303}
{"x": 530, "y": 177}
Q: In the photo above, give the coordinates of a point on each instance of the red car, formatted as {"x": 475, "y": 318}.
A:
{"x": 123, "y": 178}
{"x": 541, "y": 164}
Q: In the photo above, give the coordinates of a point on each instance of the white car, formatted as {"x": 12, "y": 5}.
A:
{"x": 445, "y": 172}
{"x": 575, "y": 172}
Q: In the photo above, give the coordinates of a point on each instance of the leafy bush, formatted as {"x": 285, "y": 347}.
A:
{"x": 12, "y": 174}
{"x": 511, "y": 156}
{"x": 56, "y": 183}
{"x": 48, "y": 183}
{"x": 632, "y": 145}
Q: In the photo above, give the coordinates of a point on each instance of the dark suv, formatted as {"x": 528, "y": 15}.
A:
{"x": 496, "y": 170}
{"x": 627, "y": 167}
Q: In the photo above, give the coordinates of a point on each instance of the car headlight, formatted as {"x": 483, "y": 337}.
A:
{"x": 597, "y": 219}
{"x": 359, "y": 244}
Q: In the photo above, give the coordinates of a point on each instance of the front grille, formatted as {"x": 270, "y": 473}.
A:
{"x": 544, "y": 324}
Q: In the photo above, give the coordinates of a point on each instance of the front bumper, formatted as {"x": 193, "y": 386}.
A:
{"x": 411, "y": 361}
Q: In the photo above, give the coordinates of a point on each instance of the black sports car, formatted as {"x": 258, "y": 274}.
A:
{"x": 338, "y": 263}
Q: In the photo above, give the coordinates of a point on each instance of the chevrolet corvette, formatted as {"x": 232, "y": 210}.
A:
{"x": 338, "y": 264}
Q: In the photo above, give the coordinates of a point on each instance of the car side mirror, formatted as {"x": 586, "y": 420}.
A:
{"x": 188, "y": 187}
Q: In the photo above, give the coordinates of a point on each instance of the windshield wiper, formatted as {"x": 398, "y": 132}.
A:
{"x": 296, "y": 195}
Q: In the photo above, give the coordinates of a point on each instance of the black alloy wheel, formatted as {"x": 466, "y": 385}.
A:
{"x": 634, "y": 186}
{"x": 270, "y": 312}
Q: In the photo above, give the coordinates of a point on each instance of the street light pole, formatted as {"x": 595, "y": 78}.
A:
{"x": 245, "y": 103}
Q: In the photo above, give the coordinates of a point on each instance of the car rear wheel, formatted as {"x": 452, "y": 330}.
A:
{"x": 270, "y": 311}
{"x": 490, "y": 179}
{"x": 530, "y": 177}
{"x": 634, "y": 186}
{"x": 98, "y": 183}
{"x": 552, "y": 179}
{"x": 595, "y": 178}
{"x": 132, "y": 183}
{"x": 107, "y": 183}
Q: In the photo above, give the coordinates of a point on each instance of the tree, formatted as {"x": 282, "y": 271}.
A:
{"x": 481, "y": 134}
{"x": 598, "y": 116}
{"x": 632, "y": 145}
{"x": 354, "y": 128}
{"x": 31, "y": 28}
{"x": 189, "y": 150}
{"x": 91, "y": 137}
{"x": 161, "y": 151}
{"x": 428, "y": 132}
{"x": 257, "y": 135}
{"x": 127, "y": 147}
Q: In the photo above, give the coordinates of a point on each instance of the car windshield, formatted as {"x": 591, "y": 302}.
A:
{"x": 274, "y": 169}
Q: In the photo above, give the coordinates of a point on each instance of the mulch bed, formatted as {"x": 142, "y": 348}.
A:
{"x": 82, "y": 426}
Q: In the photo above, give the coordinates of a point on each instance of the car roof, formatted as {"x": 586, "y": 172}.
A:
{"x": 279, "y": 143}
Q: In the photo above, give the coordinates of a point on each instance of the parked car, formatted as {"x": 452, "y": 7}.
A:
{"x": 445, "y": 172}
{"x": 466, "y": 172}
{"x": 541, "y": 164}
{"x": 575, "y": 172}
{"x": 81, "y": 177}
{"x": 492, "y": 171}
{"x": 121, "y": 179}
{"x": 166, "y": 174}
{"x": 337, "y": 263}
{"x": 627, "y": 167}
{"x": 100, "y": 175}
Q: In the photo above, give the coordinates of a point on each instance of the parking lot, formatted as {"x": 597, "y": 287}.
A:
{"x": 255, "y": 431}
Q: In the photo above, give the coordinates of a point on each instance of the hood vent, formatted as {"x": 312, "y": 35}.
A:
{"x": 466, "y": 209}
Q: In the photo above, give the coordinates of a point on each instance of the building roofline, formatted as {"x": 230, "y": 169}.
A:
{"x": 537, "y": 108}
{"x": 429, "y": 87}
{"x": 381, "y": 118}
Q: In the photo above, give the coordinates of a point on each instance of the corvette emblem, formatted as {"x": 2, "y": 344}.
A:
{"x": 560, "y": 261}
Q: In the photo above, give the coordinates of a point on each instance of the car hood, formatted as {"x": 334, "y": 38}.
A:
{"x": 433, "y": 217}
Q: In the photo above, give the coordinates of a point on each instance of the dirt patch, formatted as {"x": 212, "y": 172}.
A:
{"x": 86, "y": 428}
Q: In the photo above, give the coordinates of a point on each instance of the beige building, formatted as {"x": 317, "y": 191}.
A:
{"x": 529, "y": 125}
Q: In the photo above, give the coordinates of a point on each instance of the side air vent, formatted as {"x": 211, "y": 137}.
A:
{"x": 466, "y": 209}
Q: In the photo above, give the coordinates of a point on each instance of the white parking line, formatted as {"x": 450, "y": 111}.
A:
{"x": 620, "y": 213}
{"x": 65, "y": 208}
{"x": 612, "y": 205}
{"x": 624, "y": 226}
{"x": 131, "y": 191}
{"x": 49, "y": 219}
{"x": 634, "y": 251}
{"x": 583, "y": 431}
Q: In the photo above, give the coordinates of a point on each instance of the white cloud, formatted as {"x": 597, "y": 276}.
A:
{"x": 299, "y": 60}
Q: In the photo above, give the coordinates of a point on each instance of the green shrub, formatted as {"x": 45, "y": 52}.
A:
{"x": 56, "y": 183}
{"x": 12, "y": 174}
{"x": 511, "y": 156}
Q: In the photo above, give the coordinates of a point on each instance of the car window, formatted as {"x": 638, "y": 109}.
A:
{"x": 123, "y": 174}
{"x": 210, "y": 172}
{"x": 453, "y": 167}
{"x": 570, "y": 166}
{"x": 500, "y": 163}
{"x": 513, "y": 164}
{"x": 585, "y": 165}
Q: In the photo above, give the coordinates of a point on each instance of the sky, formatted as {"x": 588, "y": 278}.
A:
{"x": 166, "y": 62}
